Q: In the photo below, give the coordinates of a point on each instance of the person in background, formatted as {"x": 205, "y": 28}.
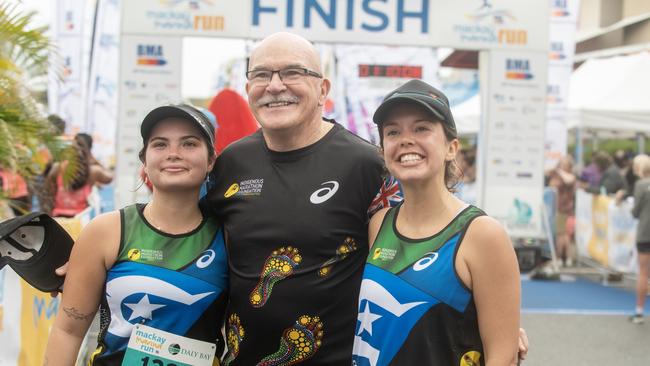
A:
{"x": 466, "y": 189}
{"x": 589, "y": 178}
{"x": 71, "y": 198}
{"x": 564, "y": 181}
{"x": 641, "y": 210}
{"x": 14, "y": 187}
{"x": 441, "y": 282}
{"x": 162, "y": 264}
{"x": 611, "y": 180}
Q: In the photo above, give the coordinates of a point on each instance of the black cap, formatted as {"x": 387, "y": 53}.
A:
{"x": 34, "y": 245}
{"x": 184, "y": 111}
{"x": 419, "y": 92}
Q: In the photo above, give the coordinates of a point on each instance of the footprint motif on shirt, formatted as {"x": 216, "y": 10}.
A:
{"x": 298, "y": 343}
{"x": 234, "y": 336}
{"x": 348, "y": 246}
{"x": 279, "y": 265}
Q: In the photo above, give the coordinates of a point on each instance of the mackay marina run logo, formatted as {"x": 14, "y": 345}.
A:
{"x": 193, "y": 15}
{"x": 491, "y": 25}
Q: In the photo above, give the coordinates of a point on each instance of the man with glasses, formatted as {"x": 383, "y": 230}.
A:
{"x": 293, "y": 198}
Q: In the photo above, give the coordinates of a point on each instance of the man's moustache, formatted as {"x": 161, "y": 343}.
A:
{"x": 277, "y": 99}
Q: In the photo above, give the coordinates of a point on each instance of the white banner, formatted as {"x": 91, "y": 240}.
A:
{"x": 367, "y": 73}
{"x": 469, "y": 24}
{"x": 102, "y": 92}
{"x": 512, "y": 140}
{"x": 70, "y": 33}
{"x": 562, "y": 32}
{"x": 150, "y": 76}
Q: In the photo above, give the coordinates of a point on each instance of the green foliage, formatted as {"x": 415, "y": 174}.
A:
{"x": 24, "y": 54}
{"x": 610, "y": 146}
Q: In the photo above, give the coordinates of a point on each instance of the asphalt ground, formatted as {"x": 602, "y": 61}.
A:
{"x": 581, "y": 320}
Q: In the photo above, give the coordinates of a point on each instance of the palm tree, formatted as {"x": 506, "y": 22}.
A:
{"x": 24, "y": 131}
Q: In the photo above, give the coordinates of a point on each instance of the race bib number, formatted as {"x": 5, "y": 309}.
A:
{"x": 153, "y": 347}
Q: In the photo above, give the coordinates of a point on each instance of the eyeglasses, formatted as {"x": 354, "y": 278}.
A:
{"x": 289, "y": 75}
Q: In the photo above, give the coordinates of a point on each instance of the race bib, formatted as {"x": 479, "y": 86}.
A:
{"x": 153, "y": 347}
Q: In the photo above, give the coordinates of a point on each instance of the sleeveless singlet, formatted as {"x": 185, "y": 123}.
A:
{"x": 176, "y": 283}
{"x": 413, "y": 307}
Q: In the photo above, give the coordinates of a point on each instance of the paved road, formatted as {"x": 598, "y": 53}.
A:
{"x": 586, "y": 340}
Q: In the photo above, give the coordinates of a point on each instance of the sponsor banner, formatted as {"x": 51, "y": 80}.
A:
{"x": 512, "y": 142}
{"x": 555, "y": 140}
{"x": 562, "y": 32}
{"x": 606, "y": 232}
{"x": 562, "y": 43}
{"x": 71, "y": 31}
{"x": 186, "y": 17}
{"x": 102, "y": 91}
{"x": 150, "y": 76}
{"x": 37, "y": 317}
{"x": 10, "y": 330}
{"x": 472, "y": 24}
{"x": 621, "y": 235}
{"x": 557, "y": 89}
{"x": 367, "y": 73}
{"x": 564, "y": 11}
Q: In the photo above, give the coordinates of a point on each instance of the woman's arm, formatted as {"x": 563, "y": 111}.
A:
{"x": 639, "y": 193}
{"x": 494, "y": 279}
{"x": 94, "y": 251}
{"x": 99, "y": 174}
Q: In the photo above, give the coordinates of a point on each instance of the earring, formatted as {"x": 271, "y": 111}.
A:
{"x": 207, "y": 178}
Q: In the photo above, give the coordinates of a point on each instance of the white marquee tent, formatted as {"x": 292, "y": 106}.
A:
{"x": 611, "y": 96}
{"x": 607, "y": 97}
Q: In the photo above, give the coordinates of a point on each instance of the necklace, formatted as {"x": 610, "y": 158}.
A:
{"x": 183, "y": 229}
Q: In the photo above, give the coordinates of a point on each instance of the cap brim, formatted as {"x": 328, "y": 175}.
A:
{"x": 164, "y": 112}
{"x": 382, "y": 112}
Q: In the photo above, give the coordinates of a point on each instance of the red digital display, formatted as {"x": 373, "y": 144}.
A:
{"x": 391, "y": 71}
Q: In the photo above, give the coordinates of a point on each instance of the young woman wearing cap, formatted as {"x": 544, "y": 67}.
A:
{"x": 441, "y": 283}
{"x": 161, "y": 265}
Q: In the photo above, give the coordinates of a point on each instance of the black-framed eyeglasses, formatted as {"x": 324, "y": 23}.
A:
{"x": 289, "y": 75}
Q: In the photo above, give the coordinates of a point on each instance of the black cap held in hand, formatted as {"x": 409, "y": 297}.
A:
{"x": 34, "y": 245}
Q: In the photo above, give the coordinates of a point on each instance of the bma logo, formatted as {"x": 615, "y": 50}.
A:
{"x": 151, "y": 55}
{"x": 191, "y": 4}
{"x": 553, "y": 94}
{"x": 67, "y": 66}
{"x": 518, "y": 69}
{"x": 557, "y": 51}
{"x": 559, "y": 8}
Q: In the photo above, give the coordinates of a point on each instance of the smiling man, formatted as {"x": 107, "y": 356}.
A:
{"x": 294, "y": 198}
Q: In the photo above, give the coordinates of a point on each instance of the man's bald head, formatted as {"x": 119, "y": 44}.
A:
{"x": 280, "y": 42}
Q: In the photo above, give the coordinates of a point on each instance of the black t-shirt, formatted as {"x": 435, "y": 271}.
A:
{"x": 297, "y": 242}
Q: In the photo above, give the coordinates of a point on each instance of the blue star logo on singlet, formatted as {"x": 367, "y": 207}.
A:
{"x": 169, "y": 301}
{"x": 387, "y": 312}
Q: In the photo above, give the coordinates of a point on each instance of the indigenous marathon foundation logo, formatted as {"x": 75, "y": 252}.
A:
{"x": 249, "y": 187}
